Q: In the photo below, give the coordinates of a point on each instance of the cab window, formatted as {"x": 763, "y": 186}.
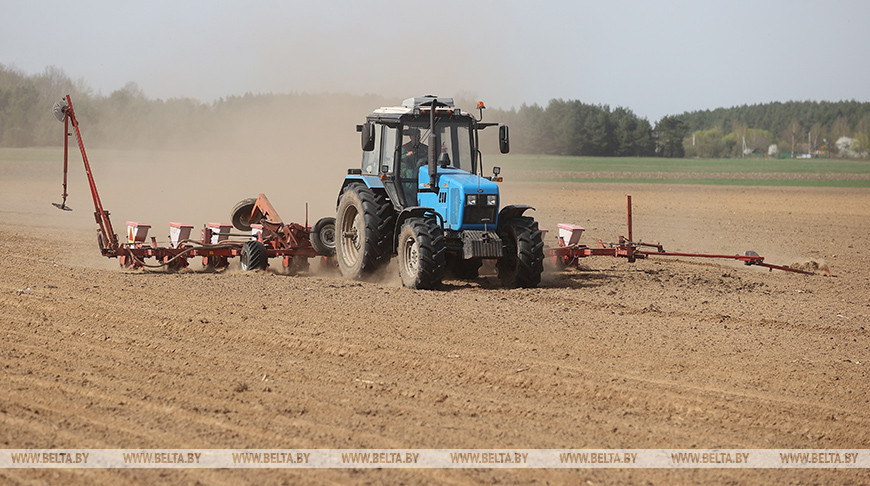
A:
{"x": 388, "y": 148}
{"x": 371, "y": 160}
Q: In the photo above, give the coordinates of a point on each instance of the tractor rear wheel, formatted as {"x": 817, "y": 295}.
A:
{"x": 364, "y": 230}
{"x": 323, "y": 236}
{"x": 421, "y": 251}
{"x": 253, "y": 256}
{"x": 523, "y": 260}
{"x": 241, "y": 214}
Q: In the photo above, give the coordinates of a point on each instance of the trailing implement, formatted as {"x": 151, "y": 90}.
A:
{"x": 569, "y": 250}
{"x": 265, "y": 235}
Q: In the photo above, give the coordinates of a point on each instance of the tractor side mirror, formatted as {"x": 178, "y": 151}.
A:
{"x": 368, "y": 136}
{"x": 504, "y": 142}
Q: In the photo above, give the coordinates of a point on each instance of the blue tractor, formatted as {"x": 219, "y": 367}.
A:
{"x": 420, "y": 194}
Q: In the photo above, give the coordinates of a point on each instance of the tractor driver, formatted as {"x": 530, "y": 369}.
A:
{"x": 413, "y": 152}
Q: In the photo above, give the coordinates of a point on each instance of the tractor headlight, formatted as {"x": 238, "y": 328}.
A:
{"x": 471, "y": 199}
{"x": 491, "y": 199}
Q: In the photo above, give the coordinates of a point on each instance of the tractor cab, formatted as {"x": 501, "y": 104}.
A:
{"x": 425, "y": 153}
{"x": 452, "y": 149}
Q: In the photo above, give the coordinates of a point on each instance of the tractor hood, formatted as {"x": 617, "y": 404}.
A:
{"x": 451, "y": 177}
{"x": 467, "y": 201}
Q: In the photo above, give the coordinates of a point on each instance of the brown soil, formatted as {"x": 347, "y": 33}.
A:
{"x": 661, "y": 353}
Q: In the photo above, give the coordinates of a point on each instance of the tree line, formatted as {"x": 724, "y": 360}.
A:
{"x": 816, "y": 128}
{"x": 126, "y": 117}
{"x": 829, "y": 129}
{"x": 575, "y": 128}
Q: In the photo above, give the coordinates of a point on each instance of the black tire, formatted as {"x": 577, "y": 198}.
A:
{"x": 364, "y": 229}
{"x": 523, "y": 260}
{"x": 241, "y": 214}
{"x": 253, "y": 256}
{"x": 462, "y": 269}
{"x": 422, "y": 253}
{"x": 323, "y": 236}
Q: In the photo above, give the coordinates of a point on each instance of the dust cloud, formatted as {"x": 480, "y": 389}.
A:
{"x": 296, "y": 154}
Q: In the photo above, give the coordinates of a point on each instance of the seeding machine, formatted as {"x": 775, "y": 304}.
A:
{"x": 266, "y": 234}
{"x": 430, "y": 206}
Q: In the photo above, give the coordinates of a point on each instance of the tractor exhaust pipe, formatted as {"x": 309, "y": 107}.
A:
{"x": 434, "y": 150}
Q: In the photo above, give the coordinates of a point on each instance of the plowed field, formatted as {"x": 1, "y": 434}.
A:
{"x": 661, "y": 353}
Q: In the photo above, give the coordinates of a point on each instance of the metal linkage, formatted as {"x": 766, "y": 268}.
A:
{"x": 107, "y": 238}
{"x": 569, "y": 254}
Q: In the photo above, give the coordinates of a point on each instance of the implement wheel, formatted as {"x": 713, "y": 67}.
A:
{"x": 241, "y": 214}
{"x": 364, "y": 224}
{"x": 523, "y": 260}
{"x": 253, "y": 256}
{"x": 323, "y": 236}
{"x": 422, "y": 251}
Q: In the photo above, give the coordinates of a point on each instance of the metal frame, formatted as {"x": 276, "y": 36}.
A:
{"x": 288, "y": 240}
{"x": 569, "y": 255}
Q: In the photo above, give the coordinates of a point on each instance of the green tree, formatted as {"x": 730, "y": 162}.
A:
{"x": 813, "y": 137}
{"x": 632, "y": 135}
{"x": 738, "y": 148}
{"x": 840, "y": 128}
{"x": 706, "y": 144}
{"x": 599, "y": 132}
{"x": 670, "y": 132}
{"x": 862, "y": 135}
{"x": 792, "y": 135}
{"x": 758, "y": 140}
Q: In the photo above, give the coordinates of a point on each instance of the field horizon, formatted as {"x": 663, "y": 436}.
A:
{"x": 656, "y": 170}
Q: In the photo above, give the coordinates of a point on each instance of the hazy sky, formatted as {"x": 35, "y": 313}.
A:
{"x": 654, "y": 57}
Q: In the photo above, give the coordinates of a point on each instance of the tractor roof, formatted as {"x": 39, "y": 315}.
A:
{"x": 428, "y": 100}
{"x": 414, "y": 105}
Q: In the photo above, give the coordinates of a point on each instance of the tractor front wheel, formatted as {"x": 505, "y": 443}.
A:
{"x": 523, "y": 260}
{"x": 421, "y": 251}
